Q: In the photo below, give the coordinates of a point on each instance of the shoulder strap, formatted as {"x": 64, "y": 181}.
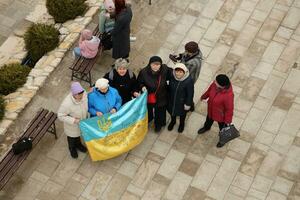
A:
{"x": 130, "y": 73}
{"x": 111, "y": 75}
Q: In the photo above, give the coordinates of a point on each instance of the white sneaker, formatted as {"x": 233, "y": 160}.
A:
{"x": 132, "y": 39}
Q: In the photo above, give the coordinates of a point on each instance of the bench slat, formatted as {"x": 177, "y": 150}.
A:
{"x": 32, "y": 125}
{"x": 36, "y": 129}
{"x": 51, "y": 119}
{"x": 12, "y": 168}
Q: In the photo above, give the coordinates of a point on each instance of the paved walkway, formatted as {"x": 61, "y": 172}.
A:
{"x": 256, "y": 42}
{"x": 12, "y": 14}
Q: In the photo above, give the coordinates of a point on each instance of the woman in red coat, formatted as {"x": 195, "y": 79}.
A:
{"x": 220, "y": 104}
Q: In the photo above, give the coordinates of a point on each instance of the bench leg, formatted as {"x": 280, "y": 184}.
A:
{"x": 72, "y": 76}
{"x": 52, "y": 130}
{"x": 90, "y": 79}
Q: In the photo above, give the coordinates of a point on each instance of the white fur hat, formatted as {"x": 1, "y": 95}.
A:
{"x": 101, "y": 83}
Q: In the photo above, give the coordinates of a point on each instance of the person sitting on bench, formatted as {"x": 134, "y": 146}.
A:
{"x": 88, "y": 45}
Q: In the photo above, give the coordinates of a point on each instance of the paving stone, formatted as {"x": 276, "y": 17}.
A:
{"x": 116, "y": 187}
{"x": 262, "y": 184}
{"x": 129, "y": 196}
{"x": 193, "y": 194}
{"x": 204, "y": 175}
{"x": 227, "y": 10}
{"x": 239, "y": 19}
{"x": 96, "y": 186}
{"x": 252, "y": 162}
{"x": 128, "y": 169}
{"x": 161, "y": 148}
{"x": 292, "y": 18}
{"x": 211, "y": 8}
{"x": 291, "y": 161}
{"x": 155, "y": 191}
{"x": 265, "y": 137}
{"x": 145, "y": 173}
{"x": 178, "y": 186}
{"x": 271, "y": 164}
{"x": 271, "y": 87}
{"x": 282, "y": 185}
{"x": 214, "y": 31}
{"x": 275, "y": 195}
{"x": 182, "y": 143}
{"x": 242, "y": 181}
{"x": 223, "y": 178}
{"x": 171, "y": 164}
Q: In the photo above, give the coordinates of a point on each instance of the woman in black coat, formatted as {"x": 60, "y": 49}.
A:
{"x": 121, "y": 31}
{"x": 154, "y": 78}
{"x": 124, "y": 80}
{"x": 181, "y": 93}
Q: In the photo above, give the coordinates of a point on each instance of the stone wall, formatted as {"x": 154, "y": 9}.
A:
{"x": 13, "y": 50}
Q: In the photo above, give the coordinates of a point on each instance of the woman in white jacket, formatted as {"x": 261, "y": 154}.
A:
{"x": 73, "y": 109}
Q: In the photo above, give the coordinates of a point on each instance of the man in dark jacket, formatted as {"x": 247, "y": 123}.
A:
{"x": 121, "y": 31}
{"x": 154, "y": 78}
{"x": 181, "y": 93}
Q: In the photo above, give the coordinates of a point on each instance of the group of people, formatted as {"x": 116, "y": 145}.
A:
{"x": 114, "y": 27}
{"x": 169, "y": 89}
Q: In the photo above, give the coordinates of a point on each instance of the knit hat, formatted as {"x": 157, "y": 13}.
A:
{"x": 76, "y": 88}
{"x": 155, "y": 59}
{"x": 102, "y": 83}
{"x": 86, "y": 34}
{"x": 109, "y": 4}
{"x": 121, "y": 62}
{"x": 223, "y": 80}
{"x": 191, "y": 47}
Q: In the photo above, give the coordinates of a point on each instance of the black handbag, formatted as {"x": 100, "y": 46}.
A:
{"x": 24, "y": 144}
{"x": 106, "y": 41}
{"x": 228, "y": 133}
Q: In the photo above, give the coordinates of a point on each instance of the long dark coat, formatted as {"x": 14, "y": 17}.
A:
{"x": 150, "y": 81}
{"x": 180, "y": 93}
{"x": 126, "y": 85}
{"x": 121, "y": 34}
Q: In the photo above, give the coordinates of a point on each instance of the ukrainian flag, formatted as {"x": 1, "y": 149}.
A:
{"x": 113, "y": 134}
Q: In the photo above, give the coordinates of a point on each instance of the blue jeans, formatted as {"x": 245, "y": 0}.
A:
{"x": 77, "y": 52}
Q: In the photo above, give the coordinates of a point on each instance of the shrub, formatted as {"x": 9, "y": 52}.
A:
{"x": 40, "y": 39}
{"x": 12, "y": 76}
{"x": 2, "y": 107}
{"x": 63, "y": 10}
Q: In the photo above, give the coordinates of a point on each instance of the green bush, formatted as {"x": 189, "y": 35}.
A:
{"x": 12, "y": 76}
{"x": 2, "y": 107}
{"x": 40, "y": 39}
{"x": 63, "y": 10}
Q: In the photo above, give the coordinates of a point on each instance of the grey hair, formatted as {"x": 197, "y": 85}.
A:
{"x": 121, "y": 62}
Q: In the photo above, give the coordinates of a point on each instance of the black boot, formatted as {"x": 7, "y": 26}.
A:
{"x": 157, "y": 129}
{"x": 172, "y": 123}
{"x": 219, "y": 145}
{"x": 80, "y": 146}
{"x": 73, "y": 153}
{"x": 180, "y": 128}
{"x": 72, "y": 146}
{"x": 202, "y": 130}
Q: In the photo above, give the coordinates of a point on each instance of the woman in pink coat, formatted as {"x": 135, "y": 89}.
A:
{"x": 88, "y": 45}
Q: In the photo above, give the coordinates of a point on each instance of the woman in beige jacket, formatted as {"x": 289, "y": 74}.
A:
{"x": 73, "y": 109}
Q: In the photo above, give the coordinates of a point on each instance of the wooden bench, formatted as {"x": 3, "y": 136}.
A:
{"x": 44, "y": 121}
{"x": 81, "y": 68}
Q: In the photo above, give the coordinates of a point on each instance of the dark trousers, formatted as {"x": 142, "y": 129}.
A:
{"x": 158, "y": 114}
{"x": 73, "y": 142}
{"x": 209, "y": 122}
{"x": 181, "y": 119}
